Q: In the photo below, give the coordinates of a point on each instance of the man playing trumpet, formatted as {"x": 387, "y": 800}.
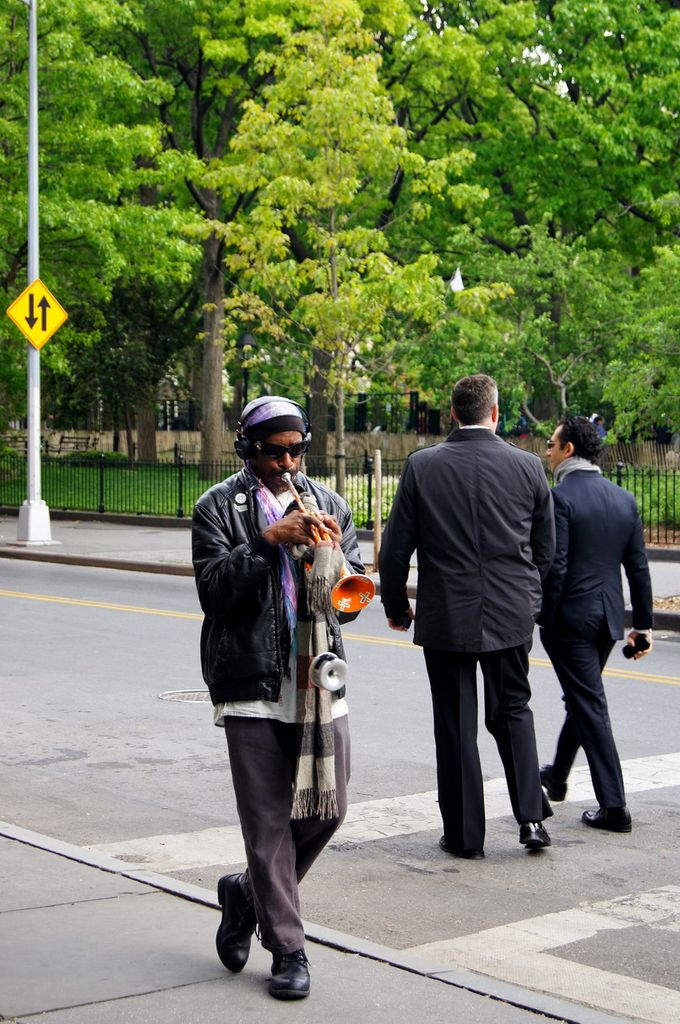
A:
{"x": 264, "y": 569}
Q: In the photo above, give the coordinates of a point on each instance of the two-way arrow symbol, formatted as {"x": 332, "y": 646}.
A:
{"x": 31, "y": 319}
{"x": 44, "y": 305}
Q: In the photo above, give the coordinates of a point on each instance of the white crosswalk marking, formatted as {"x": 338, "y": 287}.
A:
{"x": 368, "y": 821}
{"x": 516, "y": 953}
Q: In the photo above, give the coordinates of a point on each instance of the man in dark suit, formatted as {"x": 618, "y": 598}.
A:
{"x": 598, "y": 530}
{"x": 478, "y": 511}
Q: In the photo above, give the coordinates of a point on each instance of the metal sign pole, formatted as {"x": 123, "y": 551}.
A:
{"x": 34, "y": 515}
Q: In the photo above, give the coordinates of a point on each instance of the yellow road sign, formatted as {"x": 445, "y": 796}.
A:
{"x": 37, "y": 313}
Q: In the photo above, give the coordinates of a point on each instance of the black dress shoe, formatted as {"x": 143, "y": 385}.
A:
{"x": 457, "y": 852}
{"x": 290, "y": 975}
{"x": 556, "y": 790}
{"x": 533, "y": 835}
{"x": 613, "y": 819}
{"x": 238, "y": 923}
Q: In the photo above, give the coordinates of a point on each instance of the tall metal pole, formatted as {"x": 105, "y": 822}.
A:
{"x": 34, "y": 515}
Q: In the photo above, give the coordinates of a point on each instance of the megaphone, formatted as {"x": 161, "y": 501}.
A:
{"x": 328, "y": 672}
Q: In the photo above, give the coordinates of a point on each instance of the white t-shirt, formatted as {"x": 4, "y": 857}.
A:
{"x": 285, "y": 709}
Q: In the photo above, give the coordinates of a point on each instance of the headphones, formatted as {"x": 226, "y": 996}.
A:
{"x": 243, "y": 446}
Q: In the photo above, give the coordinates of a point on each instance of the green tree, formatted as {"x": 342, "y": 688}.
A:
{"x": 312, "y": 259}
{"x": 205, "y": 55}
{"x": 345, "y": 161}
{"x": 643, "y": 378}
{"x": 570, "y": 110}
{"x": 101, "y": 220}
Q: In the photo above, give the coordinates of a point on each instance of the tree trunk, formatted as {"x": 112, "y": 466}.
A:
{"x": 318, "y": 409}
{"x": 322, "y": 365}
{"x": 237, "y": 403}
{"x": 340, "y": 454}
{"x": 146, "y": 433}
{"x": 196, "y": 384}
{"x": 559, "y": 382}
{"x": 212, "y": 422}
{"x": 545, "y": 406}
{"x": 128, "y": 430}
{"x": 564, "y": 403}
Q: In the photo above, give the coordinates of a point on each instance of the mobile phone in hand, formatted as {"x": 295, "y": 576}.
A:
{"x": 641, "y": 644}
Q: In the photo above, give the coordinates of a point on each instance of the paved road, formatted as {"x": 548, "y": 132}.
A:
{"x": 94, "y": 758}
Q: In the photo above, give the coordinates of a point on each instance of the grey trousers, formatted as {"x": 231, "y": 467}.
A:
{"x": 280, "y": 852}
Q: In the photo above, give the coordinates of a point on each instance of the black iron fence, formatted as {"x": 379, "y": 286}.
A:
{"x": 393, "y": 412}
{"x": 112, "y": 483}
{"x": 657, "y": 492}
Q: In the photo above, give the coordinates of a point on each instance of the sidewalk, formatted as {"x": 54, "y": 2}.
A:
{"x": 164, "y": 546}
{"x": 83, "y": 940}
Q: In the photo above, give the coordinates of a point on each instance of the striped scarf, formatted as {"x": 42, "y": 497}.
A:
{"x": 314, "y": 792}
{"x": 308, "y": 612}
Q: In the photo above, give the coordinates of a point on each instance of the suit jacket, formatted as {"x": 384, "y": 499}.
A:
{"x": 598, "y": 530}
{"x": 479, "y": 513}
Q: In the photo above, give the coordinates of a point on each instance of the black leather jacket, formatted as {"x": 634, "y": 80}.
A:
{"x": 244, "y": 640}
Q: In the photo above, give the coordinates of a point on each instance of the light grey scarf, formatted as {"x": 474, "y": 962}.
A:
{"x": 572, "y": 465}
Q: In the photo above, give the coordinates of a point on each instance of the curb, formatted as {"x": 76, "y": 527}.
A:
{"x": 121, "y": 518}
{"x": 96, "y": 561}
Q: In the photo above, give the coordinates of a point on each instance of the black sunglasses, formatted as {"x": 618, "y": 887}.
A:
{"x": 550, "y": 444}
{"x": 277, "y": 451}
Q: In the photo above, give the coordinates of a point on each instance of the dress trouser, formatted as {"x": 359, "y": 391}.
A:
{"x": 280, "y": 852}
{"x": 578, "y": 663}
{"x": 509, "y": 719}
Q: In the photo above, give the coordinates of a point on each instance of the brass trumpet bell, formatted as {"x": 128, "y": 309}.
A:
{"x": 352, "y": 593}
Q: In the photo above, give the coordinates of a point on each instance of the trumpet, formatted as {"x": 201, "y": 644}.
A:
{"x": 353, "y": 591}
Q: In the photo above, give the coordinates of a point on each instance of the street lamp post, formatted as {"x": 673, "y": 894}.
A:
{"x": 244, "y": 342}
{"x": 34, "y": 515}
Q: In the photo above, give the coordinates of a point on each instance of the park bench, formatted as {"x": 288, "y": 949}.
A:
{"x": 15, "y": 441}
{"x": 72, "y": 443}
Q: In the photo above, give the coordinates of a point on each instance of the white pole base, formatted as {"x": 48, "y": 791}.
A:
{"x": 34, "y": 524}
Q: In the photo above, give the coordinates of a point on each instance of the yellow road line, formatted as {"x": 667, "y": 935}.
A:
{"x": 101, "y": 604}
{"x": 621, "y": 673}
{"x": 618, "y": 673}
{"x": 391, "y": 642}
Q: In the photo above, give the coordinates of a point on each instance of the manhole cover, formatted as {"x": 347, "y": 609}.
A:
{"x": 188, "y": 696}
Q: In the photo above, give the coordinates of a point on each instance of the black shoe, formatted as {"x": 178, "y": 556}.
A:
{"x": 238, "y": 923}
{"x": 290, "y": 975}
{"x": 467, "y": 854}
{"x": 613, "y": 819}
{"x": 533, "y": 835}
{"x": 555, "y": 790}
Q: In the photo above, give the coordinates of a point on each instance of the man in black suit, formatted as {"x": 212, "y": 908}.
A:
{"x": 478, "y": 511}
{"x": 598, "y": 530}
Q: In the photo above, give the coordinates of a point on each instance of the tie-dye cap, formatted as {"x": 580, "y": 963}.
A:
{"x": 273, "y": 417}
